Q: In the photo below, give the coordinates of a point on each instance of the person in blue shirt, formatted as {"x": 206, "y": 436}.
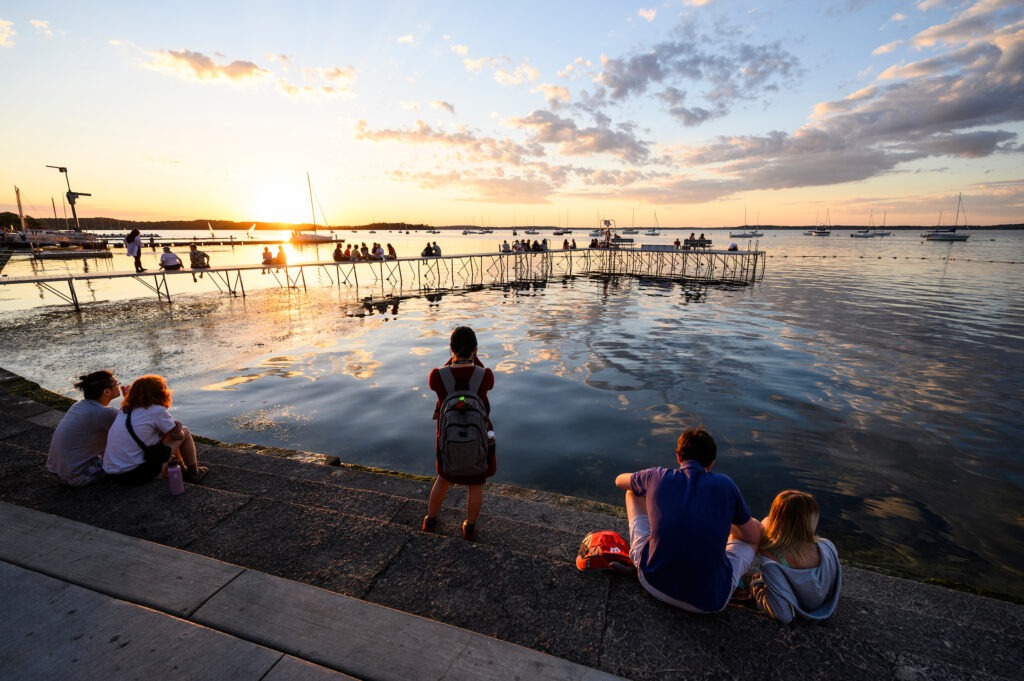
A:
{"x": 692, "y": 537}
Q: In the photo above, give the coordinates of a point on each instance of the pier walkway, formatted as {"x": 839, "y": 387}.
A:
{"x": 392, "y": 278}
{"x": 279, "y": 570}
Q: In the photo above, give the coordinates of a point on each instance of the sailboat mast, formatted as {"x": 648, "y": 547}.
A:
{"x": 21, "y": 214}
{"x": 312, "y": 208}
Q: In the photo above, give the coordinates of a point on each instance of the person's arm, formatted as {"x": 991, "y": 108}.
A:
{"x": 750, "y": 532}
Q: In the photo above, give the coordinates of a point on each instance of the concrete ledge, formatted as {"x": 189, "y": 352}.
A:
{"x": 150, "y": 574}
{"x": 256, "y": 609}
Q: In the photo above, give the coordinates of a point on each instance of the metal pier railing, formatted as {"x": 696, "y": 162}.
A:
{"x": 450, "y": 273}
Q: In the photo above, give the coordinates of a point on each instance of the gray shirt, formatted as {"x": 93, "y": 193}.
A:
{"x": 79, "y": 440}
{"x": 810, "y": 593}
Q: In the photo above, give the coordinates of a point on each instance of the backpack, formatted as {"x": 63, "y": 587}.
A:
{"x": 605, "y": 550}
{"x": 462, "y": 425}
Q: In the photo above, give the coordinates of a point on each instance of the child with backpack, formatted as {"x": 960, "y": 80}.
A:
{"x": 465, "y": 453}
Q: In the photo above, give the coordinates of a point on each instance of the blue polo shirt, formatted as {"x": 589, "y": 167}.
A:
{"x": 691, "y": 512}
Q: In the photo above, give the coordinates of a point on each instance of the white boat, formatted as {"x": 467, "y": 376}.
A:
{"x": 596, "y": 232}
{"x": 652, "y": 232}
{"x": 531, "y": 231}
{"x": 562, "y": 232}
{"x": 949, "y": 233}
{"x": 824, "y": 229}
{"x": 747, "y": 233}
{"x": 300, "y": 237}
{"x": 631, "y": 231}
{"x": 871, "y": 231}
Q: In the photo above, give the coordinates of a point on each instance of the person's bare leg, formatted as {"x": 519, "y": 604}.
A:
{"x": 474, "y": 500}
{"x": 437, "y": 495}
{"x": 635, "y": 505}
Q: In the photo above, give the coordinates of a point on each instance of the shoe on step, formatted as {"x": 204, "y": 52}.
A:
{"x": 429, "y": 524}
{"x": 195, "y": 475}
{"x": 468, "y": 531}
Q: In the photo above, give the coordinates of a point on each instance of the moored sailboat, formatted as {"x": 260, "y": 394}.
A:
{"x": 949, "y": 233}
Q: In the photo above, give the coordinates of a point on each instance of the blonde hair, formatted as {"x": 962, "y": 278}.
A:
{"x": 147, "y": 391}
{"x": 791, "y": 522}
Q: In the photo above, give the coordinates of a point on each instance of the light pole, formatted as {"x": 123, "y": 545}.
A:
{"x": 72, "y": 196}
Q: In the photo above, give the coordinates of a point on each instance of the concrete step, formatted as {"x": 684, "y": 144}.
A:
{"x": 207, "y": 619}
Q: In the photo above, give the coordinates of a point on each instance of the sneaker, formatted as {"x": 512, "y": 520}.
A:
{"x": 468, "y": 531}
{"x": 195, "y": 475}
{"x": 429, "y": 524}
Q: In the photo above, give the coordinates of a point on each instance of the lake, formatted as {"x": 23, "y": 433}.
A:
{"x": 885, "y": 376}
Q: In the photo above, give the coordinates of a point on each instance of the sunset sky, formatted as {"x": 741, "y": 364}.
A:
{"x": 688, "y": 112}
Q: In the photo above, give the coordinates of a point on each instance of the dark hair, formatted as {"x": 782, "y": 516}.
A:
{"x": 696, "y": 444}
{"x": 93, "y": 385}
{"x": 463, "y": 342}
{"x": 131, "y": 235}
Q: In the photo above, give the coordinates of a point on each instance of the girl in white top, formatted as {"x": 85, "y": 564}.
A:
{"x": 147, "y": 401}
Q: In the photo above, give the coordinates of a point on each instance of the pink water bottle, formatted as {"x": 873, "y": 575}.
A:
{"x": 174, "y": 478}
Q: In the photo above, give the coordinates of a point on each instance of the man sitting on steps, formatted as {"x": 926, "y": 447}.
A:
{"x": 76, "y": 449}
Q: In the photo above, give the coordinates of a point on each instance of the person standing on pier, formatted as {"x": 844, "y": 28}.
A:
{"x": 133, "y": 247}
{"x": 76, "y": 448}
{"x": 692, "y": 537}
{"x": 463, "y": 373}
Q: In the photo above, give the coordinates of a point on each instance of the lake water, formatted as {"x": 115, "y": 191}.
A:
{"x": 886, "y": 376}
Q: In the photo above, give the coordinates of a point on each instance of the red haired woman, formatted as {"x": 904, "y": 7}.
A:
{"x": 145, "y": 408}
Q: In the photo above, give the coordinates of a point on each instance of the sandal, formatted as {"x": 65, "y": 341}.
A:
{"x": 468, "y": 531}
{"x": 195, "y": 475}
{"x": 429, "y": 524}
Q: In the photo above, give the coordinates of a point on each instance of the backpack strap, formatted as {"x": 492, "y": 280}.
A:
{"x": 131, "y": 431}
{"x": 450, "y": 387}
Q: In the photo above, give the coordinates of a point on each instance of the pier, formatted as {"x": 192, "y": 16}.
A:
{"x": 431, "y": 275}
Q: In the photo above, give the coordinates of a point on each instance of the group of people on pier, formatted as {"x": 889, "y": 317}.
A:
{"x": 693, "y": 540}
{"x": 363, "y": 253}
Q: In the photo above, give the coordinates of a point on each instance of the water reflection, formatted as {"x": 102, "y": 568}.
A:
{"x": 887, "y": 385}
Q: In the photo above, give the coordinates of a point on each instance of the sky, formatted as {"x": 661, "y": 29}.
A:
{"x": 703, "y": 113}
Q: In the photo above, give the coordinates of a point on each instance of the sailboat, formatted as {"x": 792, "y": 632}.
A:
{"x": 747, "y": 233}
{"x": 300, "y": 237}
{"x": 870, "y": 231}
{"x": 949, "y": 233}
{"x": 824, "y": 229}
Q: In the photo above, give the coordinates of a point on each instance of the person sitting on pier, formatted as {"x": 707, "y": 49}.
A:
{"x": 676, "y": 243}
{"x": 198, "y": 260}
{"x": 145, "y": 410}
{"x": 565, "y": 244}
{"x": 169, "y": 261}
{"x": 437, "y": 250}
{"x": 392, "y": 253}
{"x": 505, "y": 248}
{"x": 378, "y": 252}
{"x": 573, "y": 244}
{"x": 692, "y": 537}
{"x": 427, "y": 251}
{"x": 281, "y": 259}
{"x": 800, "y": 572}
{"x": 77, "y": 445}
{"x": 338, "y": 255}
{"x": 463, "y": 369}
{"x": 733, "y": 246}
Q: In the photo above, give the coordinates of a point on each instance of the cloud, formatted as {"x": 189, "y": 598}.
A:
{"x": 952, "y": 104}
{"x": 647, "y": 14}
{"x": 720, "y": 70}
{"x": 548, "y": 128}
{"x": 898, "y": 17}
{"x": 197, "y": 66}
{"x": 446, "y": 106}
{"x": 466, "y": 143}
{"x": 405, "y": 40}
{"x": 556, "y": 95}
{"x": 42, "y": 27}
{"x": 337, "y": 74}
{"x": 887, "y": 48}
{"x": 461, "y": 50}
{"x": 573, "y": 70}
{"x": 7, "y": 33}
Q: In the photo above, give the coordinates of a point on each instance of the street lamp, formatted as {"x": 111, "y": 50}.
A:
{"x": 72, "y": 196}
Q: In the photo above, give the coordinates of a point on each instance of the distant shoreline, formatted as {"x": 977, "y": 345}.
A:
{"x": 112, "y": 225}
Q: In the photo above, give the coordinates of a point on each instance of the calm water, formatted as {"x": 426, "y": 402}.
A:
{"x": 883, "y": 375}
